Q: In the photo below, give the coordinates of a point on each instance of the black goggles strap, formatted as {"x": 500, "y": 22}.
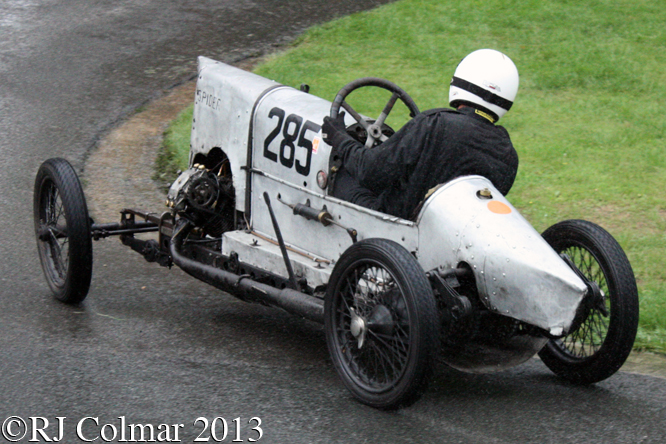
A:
{"x": 486, "y": 95}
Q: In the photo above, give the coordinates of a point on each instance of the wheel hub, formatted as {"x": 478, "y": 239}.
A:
{"x": 358, "y": 327}
{"x": 48, "y": 232}
{"x": 597, "y": 298}
{"x": 594, "y": 299}
{"x": 380, "y": 321}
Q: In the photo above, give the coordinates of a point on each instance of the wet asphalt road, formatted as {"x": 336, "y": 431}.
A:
{"x": 155, "y": 346}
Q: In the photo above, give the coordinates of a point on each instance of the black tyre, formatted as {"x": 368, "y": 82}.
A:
{"x": 606, "y": 323}
{"x": 381, "y": 324}
{"x": 62, "y": 227}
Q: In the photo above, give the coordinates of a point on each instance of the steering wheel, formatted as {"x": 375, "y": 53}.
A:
{"x": 372, "y": 128}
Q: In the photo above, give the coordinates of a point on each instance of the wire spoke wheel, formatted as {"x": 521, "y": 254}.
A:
{"x": 606, "y": 322}
{"x": 588, "y": 338}
{"x": 381, "y": 358}
{"x": 381, "y": 325}
{"x": 52, "y": 227}
{"x": 62, "y": 228}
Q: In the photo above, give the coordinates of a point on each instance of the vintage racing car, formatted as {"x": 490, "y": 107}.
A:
{"x": 468, "y": 280}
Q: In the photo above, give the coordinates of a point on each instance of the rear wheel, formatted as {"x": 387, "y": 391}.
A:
{"x": 62, "y": 227}
{"x": 381, "y": 324}
{"x": 606, "y": 323}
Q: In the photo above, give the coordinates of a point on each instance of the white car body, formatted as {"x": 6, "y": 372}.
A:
{"x": 271, "y": 135}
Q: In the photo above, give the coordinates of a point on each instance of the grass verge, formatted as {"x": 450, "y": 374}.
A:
{"x": 587, "y": 123}
{"x": 174, "y": 153}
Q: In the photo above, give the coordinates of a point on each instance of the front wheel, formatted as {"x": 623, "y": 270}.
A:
{"x": 62, "y": 227}
{"x": 606, "y": 323}
{"x": 381, "y": 324}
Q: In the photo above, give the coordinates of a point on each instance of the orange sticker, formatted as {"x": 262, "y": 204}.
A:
{"x": 315, "y": 145}
{"x": 498, "y": 207}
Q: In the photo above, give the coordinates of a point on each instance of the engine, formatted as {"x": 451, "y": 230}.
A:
{"x": 204, "y": 197}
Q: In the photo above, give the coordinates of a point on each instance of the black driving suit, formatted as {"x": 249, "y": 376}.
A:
{"x": 432, "y": 148}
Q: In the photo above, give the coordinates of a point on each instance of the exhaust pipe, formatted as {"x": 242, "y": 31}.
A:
{"x": 290, "y": 300}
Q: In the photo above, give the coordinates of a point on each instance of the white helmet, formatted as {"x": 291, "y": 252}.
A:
{"x": 485, "y": 79}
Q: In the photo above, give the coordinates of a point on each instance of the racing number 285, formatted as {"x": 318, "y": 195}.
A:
{"x": 293, "y": 136}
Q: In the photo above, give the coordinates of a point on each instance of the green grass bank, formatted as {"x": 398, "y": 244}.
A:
{"x": 587, "y": 123}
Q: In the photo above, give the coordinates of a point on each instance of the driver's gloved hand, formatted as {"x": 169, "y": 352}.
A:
{"x": 334, "y": 131}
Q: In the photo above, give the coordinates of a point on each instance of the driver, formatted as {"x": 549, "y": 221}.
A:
{"x": 435, "y": 146}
